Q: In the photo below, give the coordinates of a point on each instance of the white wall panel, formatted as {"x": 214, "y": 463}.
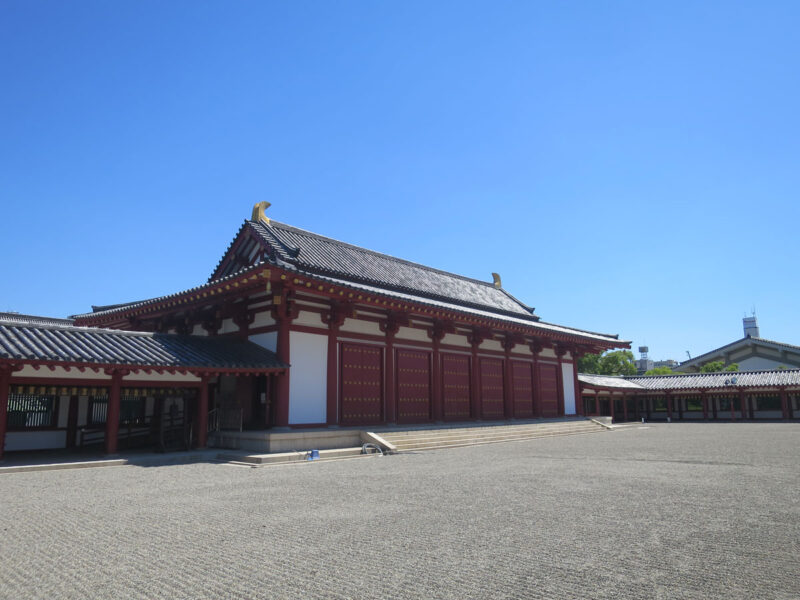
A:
{"x": 310, "y": 319}
{"x": 408, "y": 333}
{"x": 365, "y": 327}
{"x": 263, "y": 319}
{"x": 307, "y": 389}
{"x": 568, "y": 380}
{"x": 453, "y": 339}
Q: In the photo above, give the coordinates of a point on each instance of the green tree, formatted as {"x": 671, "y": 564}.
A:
{"x": 715, "y": 366}
{"x": 660, "y": 371}
{"x": 618, "y": 362}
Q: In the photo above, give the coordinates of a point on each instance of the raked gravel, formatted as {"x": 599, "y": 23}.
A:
{"x": 662, "y": 511}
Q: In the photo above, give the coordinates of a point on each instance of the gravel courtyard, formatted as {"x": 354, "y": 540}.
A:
{"x": 663, "y": 511}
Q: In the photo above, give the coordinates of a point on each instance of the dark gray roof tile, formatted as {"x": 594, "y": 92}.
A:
{"x": 322, "y": 255}
{"x": 31, "y": 341}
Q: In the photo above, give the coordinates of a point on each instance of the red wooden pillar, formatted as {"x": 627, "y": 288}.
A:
{"x": 475, "y": 339}
{"x": 625, "y": 407}
{"x": 508, "y": 380}
{"x": 5, "y": 383}
{"x": 704, "y": 400}
{"x": 669, "y": 406}
{"x": 391, "y": 401}
{"x": 733, "y": 405}
{"x": 577, "y": 387}
{"x": 202, "y": 413}
{"x": 436, "y": 375}
{"x": 282, "y": 383}
{"x": 784, "y": 404}
{"x": 597, "y": 403}
{"x": 112, "y": 412}
{"x": 536, "y": 348}
{"x": 283, "y": 314}
{"x": 334, "y": 318}
{"x": 332, "y": 379}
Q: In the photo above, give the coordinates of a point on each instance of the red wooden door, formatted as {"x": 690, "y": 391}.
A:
{"x": 548, "y": 389}
{"x": 522, "y": 380}
{"x": 455, "y": 384}
{"x": 362, "y": 376}
{"x": 413, "y": 386}
{"x": 492, "y": 388}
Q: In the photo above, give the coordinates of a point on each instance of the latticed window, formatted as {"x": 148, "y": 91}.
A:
{"x": 131, "y": 410}
{"x": 31, "y": 412}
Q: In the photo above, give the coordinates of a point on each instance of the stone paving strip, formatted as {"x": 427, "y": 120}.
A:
{"x": 660, "y": 511}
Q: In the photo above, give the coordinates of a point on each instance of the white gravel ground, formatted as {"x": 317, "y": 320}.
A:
{"x": 667, "y": 511}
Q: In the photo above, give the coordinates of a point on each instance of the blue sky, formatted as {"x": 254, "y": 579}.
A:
{"x": 626, "y": 167}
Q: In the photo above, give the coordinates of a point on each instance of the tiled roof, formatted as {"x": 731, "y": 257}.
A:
{"x": 698, "y": 360}
{"x": 121, "y": 308}
{"x": 608, "y": 381}
{"x": 27, "y": 342}
{"x": 12, "y": 317}
{"x": 322, "y": 255}
{"x": 485, "y": 314}
{"x": 725, "y": 380}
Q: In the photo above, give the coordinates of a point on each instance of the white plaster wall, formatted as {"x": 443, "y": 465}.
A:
{"x": 452, "y": 339}
{"x": 569, "y": 388}
{"x": 35, "y": 440}
{"x": 492, "y": 345}
{"x": 263, "y": 319}
{"x": 198, "y": 330}
{"x": 228, "y": 326}
{"x": 547, "y": 353}
{"x": 308, "y": 389}
{"x": 266, "y": 340}
{"x": 408, "y": 333}
{"x": 522, "y": 349}
{"x": 308, "y": 318}
{"x": 60, "y": 373}
{"x": 365, "y": 327}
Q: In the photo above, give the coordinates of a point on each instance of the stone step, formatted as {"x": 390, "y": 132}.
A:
{"x": 491, "y": 428}
{"x": 477, "y": 432}
{"x": 472, "y": 440}
{"x": 442, "y": 446}
{"x": 478, "y": 438}
{"x": 430, "y": 439}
